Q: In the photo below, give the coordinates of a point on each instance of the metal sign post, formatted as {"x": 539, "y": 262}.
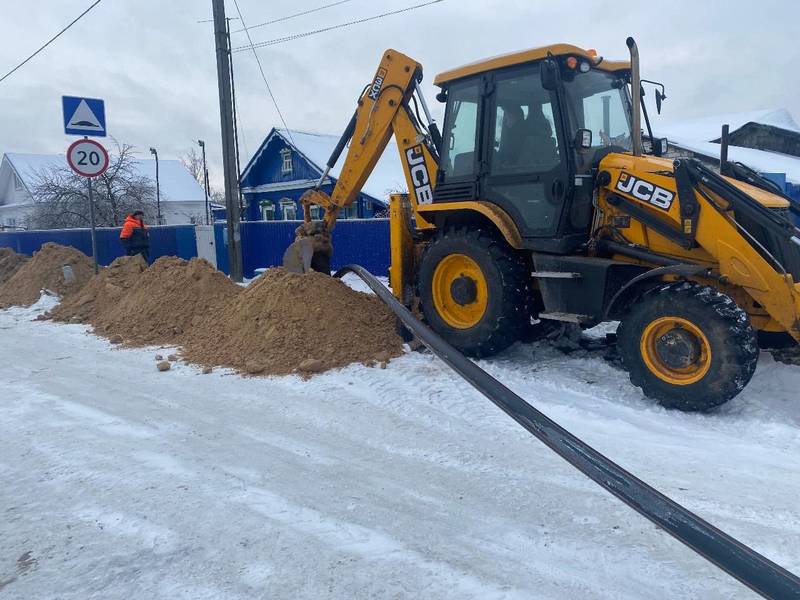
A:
{"x": 89, "y": 159}
{"x": 92, "y": 224}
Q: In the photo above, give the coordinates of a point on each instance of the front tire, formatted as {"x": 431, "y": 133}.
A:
{"x": 474, "y": 291}
{"x": 688, "y": 346}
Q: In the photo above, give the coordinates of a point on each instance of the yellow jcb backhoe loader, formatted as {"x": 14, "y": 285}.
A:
{"x": 537, "y": 203}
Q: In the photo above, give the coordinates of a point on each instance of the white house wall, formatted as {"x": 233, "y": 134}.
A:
{"x": 15, "y": 215}
{"x": 181, "y": 213}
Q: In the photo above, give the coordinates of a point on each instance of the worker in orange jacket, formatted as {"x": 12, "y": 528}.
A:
{"x": 134, "y": 236}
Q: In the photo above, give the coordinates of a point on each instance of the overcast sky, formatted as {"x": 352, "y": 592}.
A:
{"x": 155, "y": 66}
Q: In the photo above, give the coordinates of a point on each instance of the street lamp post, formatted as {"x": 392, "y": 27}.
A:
{"x": 202, "y": 145}
{"x": 154, "y": 152}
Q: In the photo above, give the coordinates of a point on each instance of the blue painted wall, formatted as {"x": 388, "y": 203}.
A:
{"x": 365, "y": 242}
{"x": 267, "y": 168}
{"x": 166, "y": 240}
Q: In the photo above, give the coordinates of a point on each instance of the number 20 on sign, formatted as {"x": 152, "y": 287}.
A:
{"x": 87, "y": 158}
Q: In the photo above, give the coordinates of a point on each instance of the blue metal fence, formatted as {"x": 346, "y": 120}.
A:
{"x": 165, "y": 240}
{"x": 363, "y": 241}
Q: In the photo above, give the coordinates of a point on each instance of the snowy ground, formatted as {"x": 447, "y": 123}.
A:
{"x": 117, "y": 481}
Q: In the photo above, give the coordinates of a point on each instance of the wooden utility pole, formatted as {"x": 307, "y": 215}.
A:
{"x": 228, "y": 146}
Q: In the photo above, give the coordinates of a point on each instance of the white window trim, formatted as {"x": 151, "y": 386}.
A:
{"x": 286, "y": 205}
{"x": 268, "y": 209}
{"x": 286, "y": 161}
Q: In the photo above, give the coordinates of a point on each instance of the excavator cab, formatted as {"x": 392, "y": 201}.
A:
{"x": 526, "y": 137}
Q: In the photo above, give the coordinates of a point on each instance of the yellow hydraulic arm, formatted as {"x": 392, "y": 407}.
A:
{"x": 383, "y": 110}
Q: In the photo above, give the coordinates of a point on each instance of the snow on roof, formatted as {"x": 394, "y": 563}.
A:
{"x": 175, "y": 182}
{"x": 710, "y": 128}
{"x": 387, "y": 177}
{"x": 695, "y": 135}
{"x": 758, "y": 160}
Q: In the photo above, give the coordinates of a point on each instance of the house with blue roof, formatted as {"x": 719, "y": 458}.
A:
{"x": 289, "y": 162}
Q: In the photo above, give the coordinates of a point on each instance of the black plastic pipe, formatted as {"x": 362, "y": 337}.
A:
{"x": 741, "y": 562}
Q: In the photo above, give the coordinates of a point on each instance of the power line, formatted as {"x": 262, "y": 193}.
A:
{"x": 300, "y": 14}
{"x": 324, "y": 29}
{"x": 264, "y": 77}
{"x": 50, "y": 41}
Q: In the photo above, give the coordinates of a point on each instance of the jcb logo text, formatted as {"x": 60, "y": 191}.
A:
{"x": 419, "y": 175}
{"x": 644, "y": 190}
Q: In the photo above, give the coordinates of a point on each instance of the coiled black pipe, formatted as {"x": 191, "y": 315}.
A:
{"x": 741, "y": 562}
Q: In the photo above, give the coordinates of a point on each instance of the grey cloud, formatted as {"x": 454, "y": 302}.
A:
{"x": 155, "y": 65}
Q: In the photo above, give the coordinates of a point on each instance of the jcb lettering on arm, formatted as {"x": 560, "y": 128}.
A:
{"x": 420, "y": 178}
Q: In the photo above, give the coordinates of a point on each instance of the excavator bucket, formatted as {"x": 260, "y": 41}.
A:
{"x": 298, "y": 256}
{"x": 311, "y": 250}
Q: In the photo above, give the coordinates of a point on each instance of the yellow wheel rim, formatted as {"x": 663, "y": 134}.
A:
{"x": 459, "y": 291}
{"x": 675, "y": 350}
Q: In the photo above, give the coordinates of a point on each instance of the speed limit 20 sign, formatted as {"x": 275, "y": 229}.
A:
{"x": 87, "y": 158}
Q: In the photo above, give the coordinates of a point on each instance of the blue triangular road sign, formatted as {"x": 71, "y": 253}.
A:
{"x": 84, "y": 116}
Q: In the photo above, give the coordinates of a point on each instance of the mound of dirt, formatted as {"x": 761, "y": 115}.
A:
{"x": 287, "y": 322}
{"x": 44, "y": 271}
{"x": 10, "y": 261}
{"x": 165, "y": 301}
{"x": 103, "y": 292}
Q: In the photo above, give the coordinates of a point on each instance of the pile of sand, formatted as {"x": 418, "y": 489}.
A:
{"x": 10, "y": 261}
{"x": 163, "y": 302}
{"x": 45, "y": 272}
{"x": 286, "y": 322}
{"x": 102, "y": 293}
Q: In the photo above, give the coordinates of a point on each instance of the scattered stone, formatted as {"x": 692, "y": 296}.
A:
{"x": 116, "y": 339}
{"x": 383, "y": 364}
{"x": 159, "y": 357}
{"x": 207, "y": 370}
{"x": 311, "y": 365}
{"x": 415, "y": 345}
{"x": 164, "y": 365}
{"x": 172, "y": 357}
{"x": 252, "y": 367}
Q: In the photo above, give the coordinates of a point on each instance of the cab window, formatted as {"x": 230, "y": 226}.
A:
{"x": 598, "y": 101}
{"x": 524, "y": 128}
{"x": 460, "y": 130}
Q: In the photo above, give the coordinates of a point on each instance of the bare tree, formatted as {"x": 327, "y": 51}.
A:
{"x": 61, "y": 197}
{"x": 193, "y": 161}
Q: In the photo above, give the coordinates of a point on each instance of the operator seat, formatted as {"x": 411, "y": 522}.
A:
{"x": 538, "y": 147}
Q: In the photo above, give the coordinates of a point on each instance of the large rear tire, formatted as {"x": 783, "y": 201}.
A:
{"x": 474, "y": 291}
{"x": 688, "y": 346}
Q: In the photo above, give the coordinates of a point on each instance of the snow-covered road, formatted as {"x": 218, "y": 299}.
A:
{"x": 117, "y": 481}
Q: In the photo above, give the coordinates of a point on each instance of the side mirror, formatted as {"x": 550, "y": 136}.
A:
{"x": 659, "y": 98}
{"x": 660, "y": 146}
{"x": 549, "y": 74}
{"x": 583, "y": 140}
{"x": 442, "y": 96}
